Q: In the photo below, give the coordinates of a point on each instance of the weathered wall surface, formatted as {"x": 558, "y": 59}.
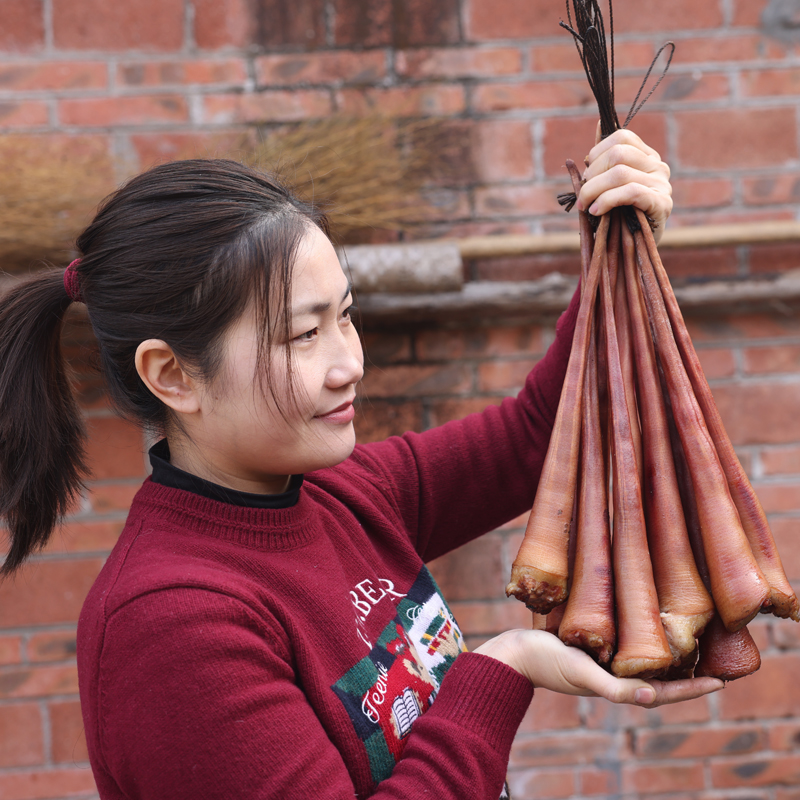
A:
{"x": 159, "y": 79}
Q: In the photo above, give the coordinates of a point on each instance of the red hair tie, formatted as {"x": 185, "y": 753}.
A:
{"x": 71, "y": 284}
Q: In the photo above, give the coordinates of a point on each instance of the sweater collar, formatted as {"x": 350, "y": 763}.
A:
{"x": 261, "y": 528}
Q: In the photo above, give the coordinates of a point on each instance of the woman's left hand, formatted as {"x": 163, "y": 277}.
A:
{"x": 623, "y": 171}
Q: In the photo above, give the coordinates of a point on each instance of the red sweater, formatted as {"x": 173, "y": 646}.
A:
{"x": 229, "y": 652}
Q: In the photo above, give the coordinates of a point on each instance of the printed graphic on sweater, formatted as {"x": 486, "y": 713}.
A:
{"x": 388, "y": 689}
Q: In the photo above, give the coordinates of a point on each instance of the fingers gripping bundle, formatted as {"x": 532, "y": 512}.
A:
{"x": 646, "y": 537}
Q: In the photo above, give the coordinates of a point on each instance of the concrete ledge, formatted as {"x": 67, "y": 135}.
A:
{"x": 545, "y": 298}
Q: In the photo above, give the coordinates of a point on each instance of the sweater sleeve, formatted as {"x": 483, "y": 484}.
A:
{"x": 462, "y": 479}
{"x": 214, "y": 699}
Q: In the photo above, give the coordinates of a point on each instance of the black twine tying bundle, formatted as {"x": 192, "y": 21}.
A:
{"x": 596, "y": 52}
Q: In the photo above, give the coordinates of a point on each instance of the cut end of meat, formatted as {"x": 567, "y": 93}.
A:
{"x": 682, "y": 634}
{"x": 540, "y": 591}
{"x": 644, "y": 668}
{"x": 598, "y": 647}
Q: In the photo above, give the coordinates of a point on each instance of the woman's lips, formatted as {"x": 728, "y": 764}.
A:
{"x": 339, "y": 415}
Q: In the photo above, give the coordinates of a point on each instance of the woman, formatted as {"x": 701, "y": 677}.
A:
{"x": 265, "y": 626}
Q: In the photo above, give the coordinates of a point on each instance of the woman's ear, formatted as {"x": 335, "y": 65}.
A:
{"x": 163, "y": 375}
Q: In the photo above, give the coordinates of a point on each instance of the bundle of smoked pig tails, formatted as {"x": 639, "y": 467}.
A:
{"x": 646, "y": 546}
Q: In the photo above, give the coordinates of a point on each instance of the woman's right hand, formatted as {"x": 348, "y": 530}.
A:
{"x": 549, "y": 664}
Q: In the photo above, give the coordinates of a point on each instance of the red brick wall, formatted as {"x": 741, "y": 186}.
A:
{"x": 169, "y": 78}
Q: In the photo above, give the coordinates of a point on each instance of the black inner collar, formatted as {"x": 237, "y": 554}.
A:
{"x": 166, "y": 474}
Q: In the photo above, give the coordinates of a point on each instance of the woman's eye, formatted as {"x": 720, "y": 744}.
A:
{"x": 349, "y": 312}
{"x": 307, "y": 336}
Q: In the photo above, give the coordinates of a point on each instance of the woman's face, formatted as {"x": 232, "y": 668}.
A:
{"x": 252, "y": 441}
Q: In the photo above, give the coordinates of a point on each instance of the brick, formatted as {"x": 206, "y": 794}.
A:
{"x": 515, "y": 201}
{"x": 769, "y": 82}
{"x": 23, "y": 114}
{"x": 652, "y": 15}
{"x": 702, "y": 193}
{"x": 748, "y": 12}
{"x": 402, "y": 23}
{"x": 52, "y": 646}
{"x": 691, "y": 87}
{"x": 717, "y": 363}
{"x": 786, "y": 531}
{"x": 107, "y": 498}
{"x": 367, "y": 23}
{"x": 21, "y": 739}
{"x": 200, "y": 72}
{"x": 69, "y": 740}
{"x": 502, "y": 150}
{"x": 568, "y": 748}
{"x": 507, "y": 19}
{"x": 532, "y": 95}
{"x": 736, "y": 138}
{"x": 39, "y": 681}
{"x": 776, "y": 498}
{"x": 10, "y": 648}
{"x": 150, "y": 25}
{"x": 786, "y": 637}
{"x": 473, "y": 572}
{"x": 732, "y": 47}
{"x": 386, "y": 348}
{"x": 526, "y": 268}
{"x": 602, "y": 714}
{"x": 728, "y": 216}
{"x": 504, "y": 375}
{"x": 773, "y": 259}
{"x": 270, "y": 106}
{"x": 85, "y": 536}
{"x": 550, "y": 710}
{"x": 45, "y": 784}
{"x": 564, "y": 58}
{"x": 599, "y": 781}
{"x": 781, "y": 460}
{"x": 47, "y": 592}
{"x": 698, "y": 743}
{"x": 53, "y": 76}
{"x": 461, "y": 228}
{"x": 442, "y": 203}
{"x": 416, "y": 381}
{"x": 23, "y": 25}
{"x": 771, "y": 359}
{"x": 759, "y": 630}
{"x": 376, "y": 421}
{"x": 760, "y": 413}
{"x": 115, "y": 449}
{"x": 653, "y": 779}
{"x": 770, "y": 692}
{"x": 154, "y": 149}
{"x": 429, "y": 100}
{"x": 725, "y": 330}
{"x": 479, "y": 342}
{"x": 447, "y": 410}
{"x": 784, "y": 736}
{"x": 542, "y": 784}
{"x": 772, "y": 189}
{"x": 764, "y": 771}
{"x": 573, "y": 137}
{"x": 107, "y": 112}
{"x": 462, "y": 62}
{"x": 224, "y": 23}
{"x": 321, "y": 68}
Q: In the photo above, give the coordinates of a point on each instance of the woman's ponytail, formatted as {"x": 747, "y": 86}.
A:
{"x": 42, "y": 460}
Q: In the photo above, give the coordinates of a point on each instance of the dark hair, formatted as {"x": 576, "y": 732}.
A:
{"x": 178, "y": 253}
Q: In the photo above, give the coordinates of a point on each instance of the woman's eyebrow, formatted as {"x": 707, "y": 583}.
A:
{"x": 321, "y": 308}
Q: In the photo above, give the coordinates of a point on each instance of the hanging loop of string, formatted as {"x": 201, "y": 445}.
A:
{"x": 596, "y": 51}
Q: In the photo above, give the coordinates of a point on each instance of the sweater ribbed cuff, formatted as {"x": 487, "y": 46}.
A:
{"x": 483, "y": 694}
